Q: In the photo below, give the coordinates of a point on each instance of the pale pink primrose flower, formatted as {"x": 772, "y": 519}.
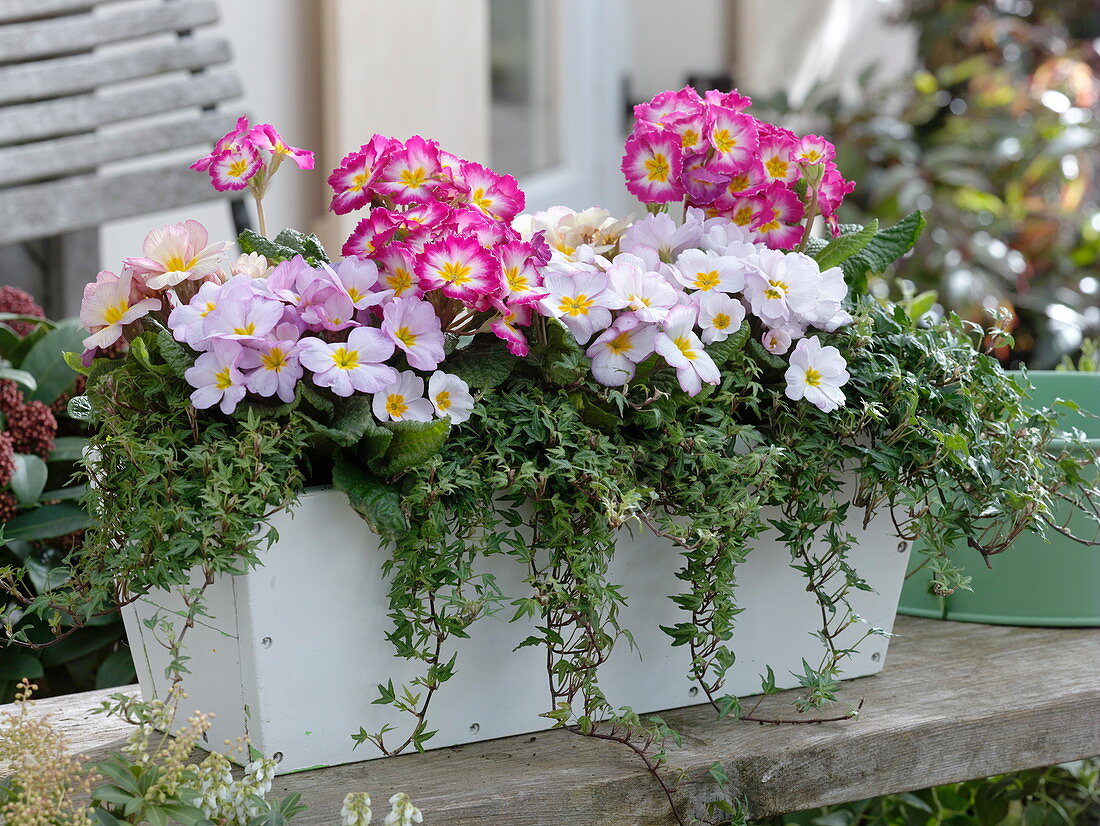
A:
{"x": 816, "y": 374}
{"x": 450, "y": 396}
{"x": 677, "y": 343}
{"x": 831, "y": 294}
{"x": 177, "y": 253}
{"x": 657, "y": 238}
{"x": 241, "y": 313}
{"x": 108, "y": 307}
{"x": 402, "y": 400}
{"x": 274, "y": 366}
{"x": 705, "y": 271}
{"x": 720, "y": 315}
{"x": 186, "y": 320}
{"x": 777, "y": 341}
{"x": 251, "y": 264}
{"x": 356, "y": 365}
{"x": 414, "y": 327}
{"x": 217, "y": 378}
{"x": 327, "y": 307}
{"x": 581, "y": 300}
{"x": 357, "y": 278}
{"x": 264, "y": 136}
{"x": 617, "y": 350}
{"x": 652, "y": 163}
{"x": 645, "y": 292}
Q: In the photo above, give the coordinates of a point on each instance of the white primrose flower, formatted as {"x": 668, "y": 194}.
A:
{"x": 450, "y": 396}
{"x": 699, "y": 270}
{"x": 830, "y": 297}
{"x": 581, "y": 300}
{"x": 356, "y": 810}
{"x": 402, "y": 811}
{"x": 720, "y": 315}
{"x": 618, "y": 349}
{"x": 782, "y": 286}
{"x": 645, "y": 292}
{"x": 724, "y": 237}
{"x": 776, "y": 341}
{"x": 403, "y": 400}
{"x": 816, "y": 374}
{"x": 681, "y": 348}
{"x": 657, "y": 238}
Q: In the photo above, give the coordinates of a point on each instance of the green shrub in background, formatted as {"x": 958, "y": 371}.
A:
{"x": 40, "y": 510}
{"x": 1065, "y": 795}
{"x": 995, "y": 138}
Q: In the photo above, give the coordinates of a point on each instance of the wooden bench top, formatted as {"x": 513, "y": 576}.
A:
{"x": 956, "y": 701}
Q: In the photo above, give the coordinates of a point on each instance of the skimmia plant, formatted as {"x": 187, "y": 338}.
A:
{"x": 480, "y": 381}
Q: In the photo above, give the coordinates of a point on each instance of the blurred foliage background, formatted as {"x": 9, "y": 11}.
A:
{"x": 996, "y": 136}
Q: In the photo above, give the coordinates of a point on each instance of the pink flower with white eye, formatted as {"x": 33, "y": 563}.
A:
{"x": 816, "y": 374}
{"x": 657, "y": 238}
{"x": 450, "y": 396}
{"x": 397, "y": 271}
{"x": 701, "y": 270}
{"x": 832, "y": 190}
{"x": 217, "y": 378}
{"x": 730, "y": 100}
{"x": 720, "y": 315}
{"x": 274, "y": 368}
{"x": 488, "y": 231}
{"x": 581, "y": 300}
{"x": 745, "y": 211}
{"x": 352, "y": 182}
{"x": 176, "y": 253}
{"x": 750, "y": 180}
{"x": 813, "y": 150}
{"x": 231, "y": 171}
{"x": 496, "y": 195}
{"x": 506, "y": 327}
{"x": 231, "y": 142}
{"x": 777, "y": 341}
{"x": 776, "y": 149}
{"x": 702, "y": 184}
{"x": 460, "y": 267}
{"x": 357, "y": 365}
{"x": 357, "y": 278}
{"x": 414, "y": 327}
{"x": 691, "y": 127}
{"x": 411, "y": 173}
{"x": 677, "y": 343}
{"x": 519, "y": 272}
{"x": 635, "y": 287}
{"x": 617, "y": 351}
{"x": 778, "y": 221}
{"x": 186, "y": 320}
{"x": 241, "y": 313}
{"x": 108, "y": 307}
{"x": 402, "y": 400}
{"x": 371, "y": 234}
{"x": 652, "y": 163}
{"x": 665, "y": 103}
{"x": 264, "y": 136}
{"x": 734, "y": 139}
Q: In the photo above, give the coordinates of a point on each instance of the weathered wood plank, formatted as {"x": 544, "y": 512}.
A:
{"x": 83, "y": 73}
{"x": 40, "y": 210}
{"x": 955, "y": 702}
{"x": 63, "y": 35}
{"x": 16, "y": 10}
{"x": 21, "y": 164}
{"x": 67, "y": 116}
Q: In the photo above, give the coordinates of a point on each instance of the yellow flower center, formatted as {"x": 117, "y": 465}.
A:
{"x": 405, "y": 336}
{"x": 576, "y": 305}
{"x": 721, "y": 321}
{"x": 114, "y": 313}
{"x": 516, "y": 282}
{"x": 689, "y": 138}
{"x": 455, "y": 272}
{"x": 237, "y": 168}
{"x": 395, "y": 405}
{"x": 743, "y": 216}
{"x": 222, "y": 379}
{"x": 358, "y": 182}
{"x": 480, "y": 200}
{"x": 414, "y": 178}
{"x": 738, "y": 183}
{"x": 813, "y": 156}
{"x": 777, "y": 167}
{"x": 275, "y": 359}
{"x": 813, "y": 377}
{"x": 345, "y": 359}
{"x": 247, "y": 330}
{"x": 706, "y": 280}
{"x": 658, "y": 168}
{"x": 620, "y": 344}
{"x": 355, "y": 295}
{"x": 442, "y": 400}
{"x": 724, "y": 141}
{"x": 684, "y": 346}
{"x": 400, "y": 281}
{"x": 210, "y": 306}
{"x": 771, "y": 226}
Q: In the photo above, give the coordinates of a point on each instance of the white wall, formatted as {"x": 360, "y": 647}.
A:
{"x": 275, "y": 44}
{"x": 671, "y": 40}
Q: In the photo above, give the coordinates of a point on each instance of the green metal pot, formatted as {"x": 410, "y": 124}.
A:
{"x": 1034, "y": 582}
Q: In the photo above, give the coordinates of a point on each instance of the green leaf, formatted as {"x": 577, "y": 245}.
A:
{"x": 84, "y": 642}
{"x": 76, "y": 363}
{"x": 308, "y": 245}
{"x": 174, "y": 354}
{"x": 757, "y": 351}
{"x": 80, "y": 409}
{"x": 839, "y": 250}
{"x": 29, "y": 479}
{"x": 353, "y": 418}
{"x": 378, "y": 503}
{"x": 723, "y": 351}
{"x": 21, "y": 377}
{"x": 275, "y": 251}
{"x": 15, "y": 665}
{"x": 9, "y": 341}
{"x": 920, "y": 305}
{"x": 139, "y": 351}
{"x": 111, "y": 794}
{"x": 117, "y": 669}
{"x": 68, "y": 448}
{"x": 483, "y": 364}
{"x": 45, "y": 323}
{"x": 46, "y": 361}
{"x": 887, "y": 246}
{"x": 47, "y": 522}
{"x": 104, "y": 818}
{"x": 413, "y": 444}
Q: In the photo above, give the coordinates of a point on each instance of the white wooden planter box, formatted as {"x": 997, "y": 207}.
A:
{"x": 292, "y": 652}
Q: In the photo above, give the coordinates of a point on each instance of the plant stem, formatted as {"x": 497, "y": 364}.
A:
{"x": 260, "y": 217}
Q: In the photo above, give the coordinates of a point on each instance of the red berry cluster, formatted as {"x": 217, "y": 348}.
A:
{"x": 14, "y": 300}
{"x": 31, "y": 425}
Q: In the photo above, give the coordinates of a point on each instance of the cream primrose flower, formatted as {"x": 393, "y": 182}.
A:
{"x": 617, "y": 350}
{"x": 175, "y": 254}
{"x": 645, "y": 292}
{"x": 251, "y": 264}
{"x": 816, "y": 374}
{"x": 681, "y": 348}
{"x": 581, "y": 300}
{"x": 699, "y": 270}
{"x": 782, "y": 287}
{"x": 566, "y": 230}
{"x": 720, "y": 315}
{"x": 450, "y": 396}
{"x": 356, "y": 810}
{"x": 107, "y": 308}
{"x": 403, "y": 400}
{"x": 403, "y": 812}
